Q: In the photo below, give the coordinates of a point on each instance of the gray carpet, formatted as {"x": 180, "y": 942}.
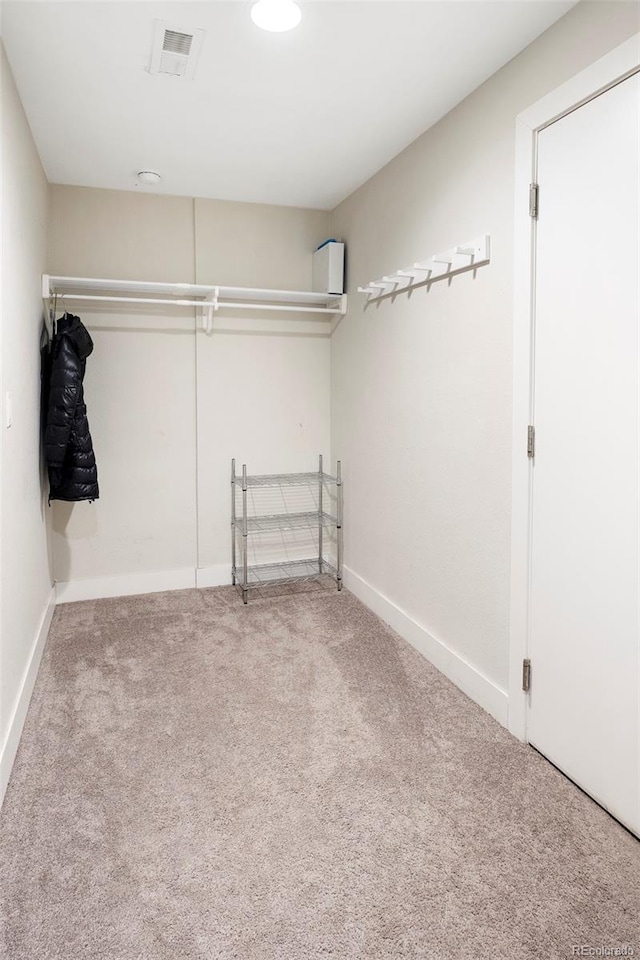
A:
{"x": 287, "y": 781}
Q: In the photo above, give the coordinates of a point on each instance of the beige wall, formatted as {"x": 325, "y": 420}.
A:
{"x": 168, "y": 406}
{"x": 139, "y": 387}
{"x": 26, "y": 580}
{"x": 421, "y": 388}
{"x": 263, "y": 384}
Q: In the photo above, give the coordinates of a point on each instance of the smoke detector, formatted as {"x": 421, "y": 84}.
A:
{"x": 175, "y": 52}
{"x": 149, "y": 177}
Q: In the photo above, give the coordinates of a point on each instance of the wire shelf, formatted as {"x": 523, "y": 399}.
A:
{"x": 287, "y": 571}
{"x": 284, "y": 479}
{"x": 286, "y": 521}
{"x": 306, "y": 514}
{"x": 53, "y": 285}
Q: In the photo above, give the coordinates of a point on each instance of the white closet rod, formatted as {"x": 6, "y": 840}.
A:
{"x": 226, "y": 304}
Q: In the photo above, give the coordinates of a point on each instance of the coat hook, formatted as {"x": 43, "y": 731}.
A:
{"x": 477, "y": 252}
{"x": 398, "y": 277}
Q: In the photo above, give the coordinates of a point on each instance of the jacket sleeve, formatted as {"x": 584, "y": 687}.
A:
{"x": 64, "y": 388}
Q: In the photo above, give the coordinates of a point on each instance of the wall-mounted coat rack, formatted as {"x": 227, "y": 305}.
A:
{"x": 209, "y": 298}
{"x": 460, "y": 259}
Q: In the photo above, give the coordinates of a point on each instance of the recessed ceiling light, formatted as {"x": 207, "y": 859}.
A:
{"x": 149, "y": 177}
{"x": 276, "y": 15}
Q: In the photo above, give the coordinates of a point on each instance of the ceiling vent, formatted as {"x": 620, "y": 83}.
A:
{"x": 175, "y": 52}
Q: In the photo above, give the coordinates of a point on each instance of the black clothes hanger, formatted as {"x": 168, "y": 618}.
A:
{"x": 54, "y": 322}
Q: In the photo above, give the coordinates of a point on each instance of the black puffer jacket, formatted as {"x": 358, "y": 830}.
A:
{"x": 69, "y": 451}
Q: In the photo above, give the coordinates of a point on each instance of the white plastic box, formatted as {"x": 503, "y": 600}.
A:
{"x": 328, "y": 268}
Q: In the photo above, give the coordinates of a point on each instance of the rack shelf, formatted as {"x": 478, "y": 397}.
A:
{"x": 209, "y": 297}
{"x": 288, "y": 479}
{"x": 243, "y": 526}
{"x": 288, "y": 521}
{"x": 288, "y": 571}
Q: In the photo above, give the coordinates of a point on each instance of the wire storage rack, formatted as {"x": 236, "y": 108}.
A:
{"x": 314, "y": 517}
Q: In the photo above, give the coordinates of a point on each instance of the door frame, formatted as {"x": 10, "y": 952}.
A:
{"x": 613, "y": 68}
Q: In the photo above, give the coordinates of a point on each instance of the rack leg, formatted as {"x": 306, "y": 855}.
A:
{"x": 339, "y": 544}
{"x": 233, "y": 522}
{"x": 320, "y": 514}
{"x": 244, "y": 534}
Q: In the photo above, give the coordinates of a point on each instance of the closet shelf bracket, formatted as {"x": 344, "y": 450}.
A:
{"x": 212, "y": 306}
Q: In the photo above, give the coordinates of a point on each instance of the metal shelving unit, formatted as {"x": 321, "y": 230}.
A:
{"x": 251, "y": 575}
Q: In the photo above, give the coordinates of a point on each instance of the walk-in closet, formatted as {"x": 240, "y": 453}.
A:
{"x": 319, "y": 521}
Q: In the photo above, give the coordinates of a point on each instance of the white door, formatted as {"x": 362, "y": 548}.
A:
{"x": 584, "y": 712}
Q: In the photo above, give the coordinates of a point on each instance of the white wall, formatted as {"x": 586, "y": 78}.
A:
{"x": 421, "y": 388}
{"x": 167, "y": 407}
{"x": 26, "y": 581}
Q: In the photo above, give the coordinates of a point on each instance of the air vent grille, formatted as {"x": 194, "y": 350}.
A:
{"x": 175, "y": 42}
{"x": 174, "y": 64}
{"x": 174, "y": 52}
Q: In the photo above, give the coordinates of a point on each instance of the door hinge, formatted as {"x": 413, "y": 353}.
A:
{"x": 526, "y": 675}
{"x": 531, "y": 442}
{"x": 534, "y": 197}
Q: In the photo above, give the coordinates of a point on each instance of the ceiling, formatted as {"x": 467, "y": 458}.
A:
{"x": 300, "y": 118}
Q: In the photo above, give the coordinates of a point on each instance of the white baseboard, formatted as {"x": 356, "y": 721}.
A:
{"x": 217, "y": 576}
{"x": 10, "y": 745}
{"x": 126, "y": 585}
{"x": 476, "y": 686}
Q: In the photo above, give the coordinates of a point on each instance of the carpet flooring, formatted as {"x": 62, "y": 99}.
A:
{"x": 287, "y": 781}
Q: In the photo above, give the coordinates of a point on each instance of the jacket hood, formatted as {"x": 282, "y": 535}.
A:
{"x": 73, "y": 327}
